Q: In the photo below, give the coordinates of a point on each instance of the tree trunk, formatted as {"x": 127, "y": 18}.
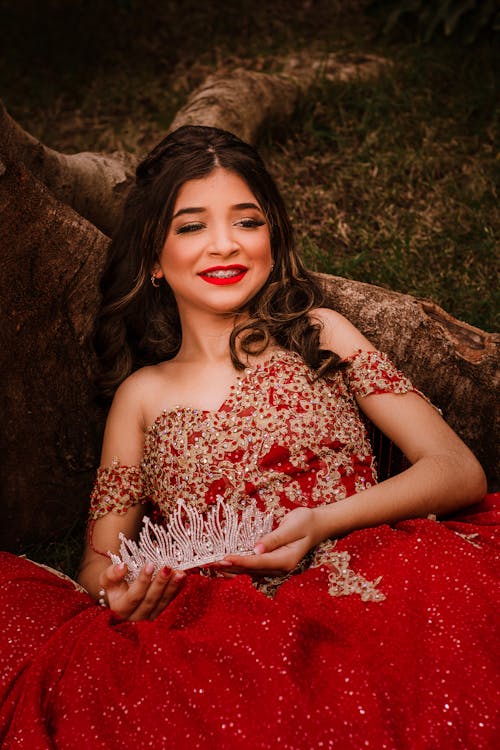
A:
{"x": 93, "y": 184}
{"x": 50, "y": 265}
{"x": 242, "y": 102}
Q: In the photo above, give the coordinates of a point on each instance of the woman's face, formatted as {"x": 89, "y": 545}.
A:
{"x": 217, "y": 254}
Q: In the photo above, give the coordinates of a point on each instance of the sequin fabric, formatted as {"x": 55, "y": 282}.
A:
{"x": 407, "y": 661}
{"x": 117, "y": 488}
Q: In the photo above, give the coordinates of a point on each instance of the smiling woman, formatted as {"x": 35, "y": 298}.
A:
{"x": 238, "y": 400}
{"x": 222, "y": 241}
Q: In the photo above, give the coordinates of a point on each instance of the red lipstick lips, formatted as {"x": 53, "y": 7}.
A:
{"x": 223, "y": 275}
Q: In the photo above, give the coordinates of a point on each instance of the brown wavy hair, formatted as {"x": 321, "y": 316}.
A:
{"x": 138, "y": 324}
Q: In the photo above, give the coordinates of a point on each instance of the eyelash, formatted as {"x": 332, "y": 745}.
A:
{"x": 244, "y": 223}
{"x": 251, "y": 223}
{"x": 188, "y": 228}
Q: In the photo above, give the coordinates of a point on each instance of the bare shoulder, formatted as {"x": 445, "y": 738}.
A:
{"x": 338, "y": 334}
{"x": 132, "y": 398}
{"x": 132, "y": 388}
{"x": 135, "y": 393}
{"x": 126, "y": 424}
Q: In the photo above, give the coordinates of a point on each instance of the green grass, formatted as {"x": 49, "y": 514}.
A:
{"x": 392, "y": 182}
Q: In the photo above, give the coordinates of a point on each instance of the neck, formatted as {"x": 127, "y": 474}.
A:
{"x": 206, "y": 338}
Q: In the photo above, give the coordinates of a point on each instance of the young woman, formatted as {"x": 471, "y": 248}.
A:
{"x": 348, "y": 625}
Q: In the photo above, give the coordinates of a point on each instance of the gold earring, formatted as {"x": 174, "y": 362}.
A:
{"x": 155, "y": 281}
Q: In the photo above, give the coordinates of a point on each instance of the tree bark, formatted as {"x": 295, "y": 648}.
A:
{"x": 94, "y": 184}
{"x": 50, "y": 264}
{"x": 243, "y": 101}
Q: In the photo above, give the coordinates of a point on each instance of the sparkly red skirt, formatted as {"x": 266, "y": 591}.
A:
{"x": 227, "y": 667}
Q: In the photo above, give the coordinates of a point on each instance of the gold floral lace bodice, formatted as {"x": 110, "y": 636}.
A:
{"x": 281, "y": 437}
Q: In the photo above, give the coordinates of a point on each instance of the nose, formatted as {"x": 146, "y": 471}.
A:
{"x": 222, "y": 241}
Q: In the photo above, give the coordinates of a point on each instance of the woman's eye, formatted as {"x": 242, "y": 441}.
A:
{"x": 251, "y": 223}
{"x": 189, "y": 228}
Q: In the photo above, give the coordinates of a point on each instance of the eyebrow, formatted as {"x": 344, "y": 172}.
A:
{"x": 201, "y": 209}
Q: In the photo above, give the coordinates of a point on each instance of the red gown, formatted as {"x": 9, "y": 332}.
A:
{"x": 384, "y": 640}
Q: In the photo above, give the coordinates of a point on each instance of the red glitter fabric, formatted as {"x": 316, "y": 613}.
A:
{"x": 227, "y": 666}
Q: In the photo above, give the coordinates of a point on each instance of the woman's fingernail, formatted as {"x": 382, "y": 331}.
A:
{"x": 259, "y": 549}
{"x": 120, "y": 567}
{"x": 179, "y": 576}
{"x": 149, "y": 568}
{"x": 166, "y": 572}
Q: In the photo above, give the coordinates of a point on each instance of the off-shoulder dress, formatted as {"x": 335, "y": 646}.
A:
{"x": 383, "y": 639}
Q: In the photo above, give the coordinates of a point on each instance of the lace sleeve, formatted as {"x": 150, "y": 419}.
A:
{"x": 373, "y": 372}
{"x": 117, "y": 488}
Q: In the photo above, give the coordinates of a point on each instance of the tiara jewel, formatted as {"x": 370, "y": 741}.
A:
{"x": 191, "y": 539}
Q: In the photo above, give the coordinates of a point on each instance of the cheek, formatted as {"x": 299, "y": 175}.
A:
{"x": 262, "y": 249}
{"x": 173, "y": 258}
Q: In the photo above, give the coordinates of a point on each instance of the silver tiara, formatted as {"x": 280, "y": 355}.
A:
{"x": 192, "y": 539}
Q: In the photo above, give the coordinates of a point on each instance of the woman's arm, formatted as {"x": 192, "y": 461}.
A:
{"x": 444, "y": 474}
{"x": 102, "y": 537}
{"x": 146, "y": 597}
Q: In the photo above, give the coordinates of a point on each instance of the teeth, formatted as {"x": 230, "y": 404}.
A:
{"x": 224, "y": 273}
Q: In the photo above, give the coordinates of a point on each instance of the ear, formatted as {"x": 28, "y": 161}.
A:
{"x": 157, "y": 272}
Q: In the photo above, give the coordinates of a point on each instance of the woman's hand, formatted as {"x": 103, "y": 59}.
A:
{"x": 280, "y": 551}
{"x": 146, "y": 597}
